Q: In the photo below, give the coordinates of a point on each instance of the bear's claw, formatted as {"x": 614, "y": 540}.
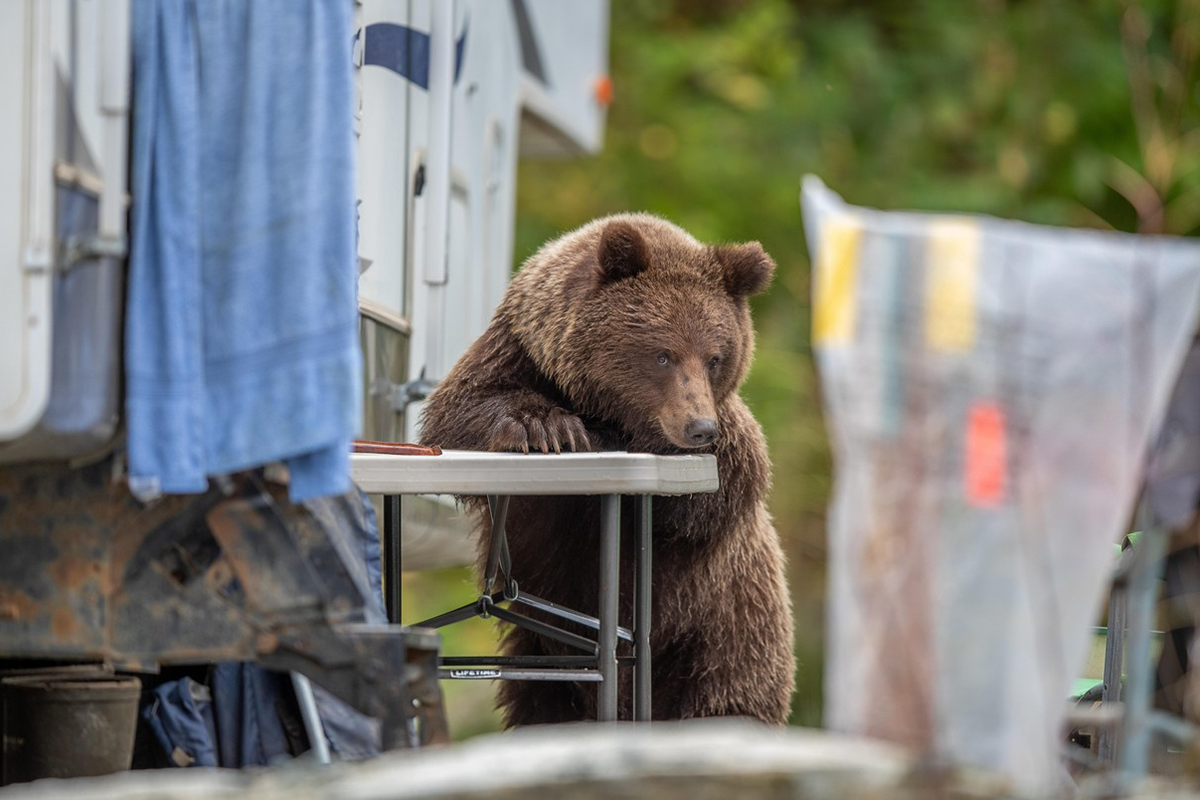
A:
{"x": 559, "y": 430}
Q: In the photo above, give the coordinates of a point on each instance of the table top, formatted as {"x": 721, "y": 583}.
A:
{"x": 466, "y": 472}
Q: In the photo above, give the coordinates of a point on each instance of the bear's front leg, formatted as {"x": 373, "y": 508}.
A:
{"x": 525, "y": 421}
{"x": 495, "y": 398}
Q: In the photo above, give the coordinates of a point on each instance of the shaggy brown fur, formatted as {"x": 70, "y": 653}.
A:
{"x": 628, "y": 334}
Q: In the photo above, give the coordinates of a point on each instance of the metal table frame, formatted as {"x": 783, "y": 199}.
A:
{"x": 1135, "y": 593}
{"x": 501, "y": 475}
{"x": 1128, "y": 724}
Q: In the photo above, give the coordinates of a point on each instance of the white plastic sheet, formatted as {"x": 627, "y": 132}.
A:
{"x": 990, "y": 388}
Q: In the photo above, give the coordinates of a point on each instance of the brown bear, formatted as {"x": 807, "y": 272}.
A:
{"x": 628, "y": 334}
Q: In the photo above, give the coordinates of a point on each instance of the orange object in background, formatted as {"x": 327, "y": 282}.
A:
{"x": 602, "y": 90}
{"x": 986, "y": 462}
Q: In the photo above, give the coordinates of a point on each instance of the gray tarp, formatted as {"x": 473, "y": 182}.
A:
{"x": 990, "y": 389}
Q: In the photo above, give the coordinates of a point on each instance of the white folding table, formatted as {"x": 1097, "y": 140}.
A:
{"x": 501, "y": 475}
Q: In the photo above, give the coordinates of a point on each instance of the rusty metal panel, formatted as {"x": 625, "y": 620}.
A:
{"x": 240, "y": 574}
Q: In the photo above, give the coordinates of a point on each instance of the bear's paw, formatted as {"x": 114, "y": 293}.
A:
{"x": 556, "y": 430}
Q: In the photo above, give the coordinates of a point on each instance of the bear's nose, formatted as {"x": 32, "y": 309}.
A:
{"x": 701, "y": 431}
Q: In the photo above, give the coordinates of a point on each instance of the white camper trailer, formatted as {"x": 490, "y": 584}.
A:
{"x": 438, "y": 148}
{"x": 451, "y": 92}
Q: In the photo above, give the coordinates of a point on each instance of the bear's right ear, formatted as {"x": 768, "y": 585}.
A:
{"x": 747, "y": 268}
{"x": 622, "y": 252}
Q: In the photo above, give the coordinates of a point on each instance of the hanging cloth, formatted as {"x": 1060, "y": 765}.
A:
{"x": 991, "y": 390}
{"x": 241, "y": 318}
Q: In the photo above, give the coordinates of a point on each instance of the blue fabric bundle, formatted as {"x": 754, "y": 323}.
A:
{"x": 241, "y": 321}
{"x": 235, "y": 724}
{"x": 180, "y": 716}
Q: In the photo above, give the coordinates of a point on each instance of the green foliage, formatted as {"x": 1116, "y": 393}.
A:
{"x": 1074, "y": 112}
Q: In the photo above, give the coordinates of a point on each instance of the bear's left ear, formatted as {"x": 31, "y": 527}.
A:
{"x": 747, "y": 268}
{"x": 622, "y": 252}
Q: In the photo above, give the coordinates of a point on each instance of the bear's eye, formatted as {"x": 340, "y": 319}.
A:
{"x": 663, "y": 359}
{"x": 714, "y": 362}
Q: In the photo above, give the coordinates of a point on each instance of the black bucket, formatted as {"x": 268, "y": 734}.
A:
{"x": 67, "y": 725}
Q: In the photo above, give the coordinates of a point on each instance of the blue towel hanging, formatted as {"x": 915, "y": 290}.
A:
{"x": 241, "y": 322}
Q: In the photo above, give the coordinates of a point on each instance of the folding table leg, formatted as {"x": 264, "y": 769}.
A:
{"x": 610, "y": 587}
{"x": 391, "y": 556}
{"x": 641, "y": 623}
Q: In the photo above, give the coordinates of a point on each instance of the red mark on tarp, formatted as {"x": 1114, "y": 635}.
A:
{"x": 986, "y": 455}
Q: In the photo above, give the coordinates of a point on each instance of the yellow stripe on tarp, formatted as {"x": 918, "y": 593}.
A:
{"x": 837, "y": 279}
{"x": 951, "y": 277}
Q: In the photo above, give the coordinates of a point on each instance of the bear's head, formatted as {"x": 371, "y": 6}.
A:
{"x": 652, "y": 330}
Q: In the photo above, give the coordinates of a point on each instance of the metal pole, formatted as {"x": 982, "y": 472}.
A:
{"x": 1114, "y": 667}
{"x": 533, "y": 601}
{"x": 610, "y": 589}
{"x": 518, "y": 674}
{"x": 312, "y": 720}
{"x": 498, "y": 546}
{"x": 641, "y": 622}
{"x": 114, "y": 104}
{"x": 1143, "y": 586}
{"x": 437, "y": 217}
{"x": 391, "y": 556}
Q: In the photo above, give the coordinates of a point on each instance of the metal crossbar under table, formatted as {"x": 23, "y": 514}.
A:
{"x": 501, "y": 475}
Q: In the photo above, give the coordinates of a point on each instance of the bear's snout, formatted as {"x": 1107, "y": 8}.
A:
{"x": 700, "y": 432}
{"x": 687, "y": 416}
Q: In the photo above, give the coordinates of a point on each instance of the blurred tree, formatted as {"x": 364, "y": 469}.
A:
{"x": 1072, "y": 112}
